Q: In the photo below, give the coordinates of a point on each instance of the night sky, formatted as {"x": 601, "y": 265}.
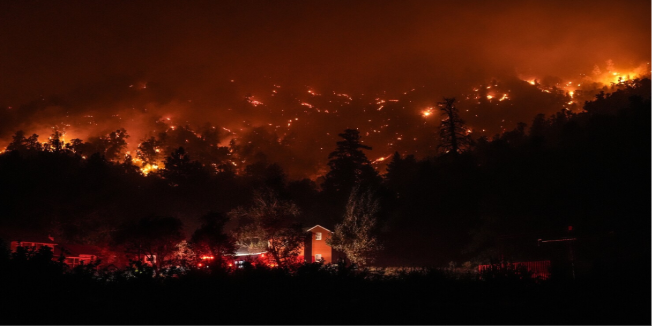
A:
{"x": 304, "y": 71}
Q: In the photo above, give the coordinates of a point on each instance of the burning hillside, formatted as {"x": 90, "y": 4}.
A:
{"x": 297, "y": 127}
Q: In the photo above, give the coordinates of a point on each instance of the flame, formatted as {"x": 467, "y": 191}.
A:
{"x": 145, "y": 170}
{"x": 381, "y": 159}
{"x": 617, "y": 77}
{"x": 253, "y": 102}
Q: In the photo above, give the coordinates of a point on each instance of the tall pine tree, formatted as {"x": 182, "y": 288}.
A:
{"x": 452, "y": 133}
{"x": 349, "y": 165}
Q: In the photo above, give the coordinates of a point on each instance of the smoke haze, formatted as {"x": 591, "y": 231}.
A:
{"x": 303, "y": 71}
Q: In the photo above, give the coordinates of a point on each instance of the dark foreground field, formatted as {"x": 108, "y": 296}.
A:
{"x": 317, "y": 297}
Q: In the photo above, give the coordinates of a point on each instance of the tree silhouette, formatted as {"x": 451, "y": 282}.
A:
{"x": 179, "y": 167}
{"x": 128, "y": 165}
{"x": 262, "y": 174}
{"x": 18, "y": 143}
{"x": 453, "y": 137}
{"x": 152, "y": 238}
{"x": 349, "y": 165}
{"x": 55, "y": 144}
{"x": 400, "y": 173}
{"x": 114, "y": 143}
{"x": 211, "y": 239}
{"x": 149, "y": 151}
{"x": 31, "y": 262}
{"x": 76, "y": 146}
{"x": 33, "y": 143}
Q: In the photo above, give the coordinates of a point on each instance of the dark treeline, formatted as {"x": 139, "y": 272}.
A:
{"x": 588, "y": 170}
{"x": 44, "y": 291}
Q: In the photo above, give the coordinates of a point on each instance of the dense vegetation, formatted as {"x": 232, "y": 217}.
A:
{"x": 41, "y": 293}
{"x": 588, "y": 170}
{"x": 490, "y": 202}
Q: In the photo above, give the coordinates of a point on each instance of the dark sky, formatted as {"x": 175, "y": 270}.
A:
{"x": 88, "y": 53}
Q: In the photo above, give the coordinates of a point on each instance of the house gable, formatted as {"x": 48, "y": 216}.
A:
{"x": 316, "y": 247}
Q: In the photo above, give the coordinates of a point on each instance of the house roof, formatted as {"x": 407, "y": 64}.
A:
{"x": 76, "y": 250}
{"x": 244, "y": 251}
{"x": 69, "y": 250}
{"x": 32, "y": 238}
{"x": 311, "y": 228}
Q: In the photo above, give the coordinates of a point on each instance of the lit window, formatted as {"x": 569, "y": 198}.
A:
{"x": 317, "y": 257}
{"x": 318, "y": 236}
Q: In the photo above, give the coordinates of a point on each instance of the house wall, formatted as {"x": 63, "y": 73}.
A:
{"x": 320, "y": 246}
{"x": 15, "y": 244}
{"x": 71, "y": 260}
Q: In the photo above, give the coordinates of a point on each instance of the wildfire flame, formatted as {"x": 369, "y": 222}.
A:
{"x": 145, "y": 170}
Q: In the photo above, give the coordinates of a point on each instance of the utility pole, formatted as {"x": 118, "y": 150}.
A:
{"x": 571, "y": 250}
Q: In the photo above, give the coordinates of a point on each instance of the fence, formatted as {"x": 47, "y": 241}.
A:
{"x": 536, "y": 269}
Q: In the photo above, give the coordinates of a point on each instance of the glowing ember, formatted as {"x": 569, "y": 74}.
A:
{"x": 427, "y": 112}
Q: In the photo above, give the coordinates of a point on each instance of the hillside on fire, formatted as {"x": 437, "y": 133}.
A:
{"x": 584, "y": 170}
{"x": 325, "y": 162}
{"x": 554, "y": 211}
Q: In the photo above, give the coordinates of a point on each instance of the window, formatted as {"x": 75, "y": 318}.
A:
{"x": 318, "y": 236}
{"x": 317, "y": 257}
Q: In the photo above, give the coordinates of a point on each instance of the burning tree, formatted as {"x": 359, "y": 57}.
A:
{"x": 452, "y": 133}
{"x": 271, "y": 224}
{"x": 114, "y": 143}
{"x": 55, "y": 143}
{"x": 355, "y": 236}
{"x": 149, "y": 151}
